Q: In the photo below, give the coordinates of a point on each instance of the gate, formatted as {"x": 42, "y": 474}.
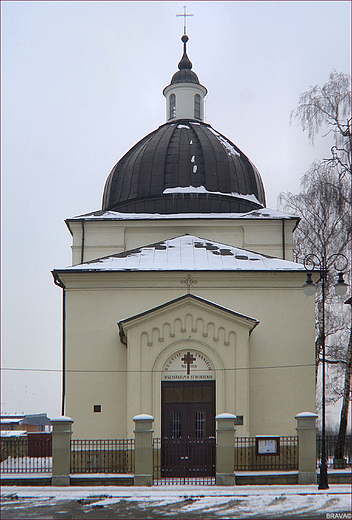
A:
{"x": 184, "y": 461}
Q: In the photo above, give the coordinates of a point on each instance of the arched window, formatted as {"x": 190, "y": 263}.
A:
{"x": 197, "y": 106}
{"x": 172, "y": 106}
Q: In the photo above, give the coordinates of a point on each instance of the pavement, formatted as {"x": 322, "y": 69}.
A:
{"x": 181, "y": 502}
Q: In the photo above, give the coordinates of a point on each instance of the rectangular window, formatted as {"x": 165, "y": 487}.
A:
{"x": 172, "y": 106}
{"x": 197, "y": 106}
{"x": 176, "y": 425}
{"x": 200, "y": 425}
{"x": 97, "y": 408}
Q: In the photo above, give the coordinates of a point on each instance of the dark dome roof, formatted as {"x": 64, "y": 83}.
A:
{"x": 184, "y": 76}
{"x": 184, "y": 167}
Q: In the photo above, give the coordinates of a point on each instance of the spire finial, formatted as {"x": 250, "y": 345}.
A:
{"x": 184, "y": 18}
{"x": 185, "y": 62}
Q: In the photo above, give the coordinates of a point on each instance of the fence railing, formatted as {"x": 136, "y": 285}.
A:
{"x": 248, "y": 459}
{"x": 102, "y": 456}
{"x": 30, "y": 454}
{"x": 330, "y": 443}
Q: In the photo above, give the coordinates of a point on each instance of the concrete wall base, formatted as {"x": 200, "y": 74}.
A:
{"x": 60, "y": 481}
{"x": 307, "y": 477}
{"x": 225, "y": 479}
{"x": 143, "y": 480}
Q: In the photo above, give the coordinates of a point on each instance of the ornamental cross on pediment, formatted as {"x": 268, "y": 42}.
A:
{"x": 188, "y": 282}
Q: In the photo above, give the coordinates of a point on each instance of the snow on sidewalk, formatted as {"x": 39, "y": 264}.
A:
{"x": 222, "y": 502}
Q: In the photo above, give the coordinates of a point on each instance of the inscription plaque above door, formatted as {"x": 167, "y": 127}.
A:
{"x": 188, "y": 364}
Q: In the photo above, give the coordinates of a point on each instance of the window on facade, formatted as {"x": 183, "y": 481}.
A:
{"x": 176, "y": 425}
{"x": 97, "y": 408}
{"x": 172, "y": 106}
{"x": 200, "y": 425}
{"x": 197, "y": 106}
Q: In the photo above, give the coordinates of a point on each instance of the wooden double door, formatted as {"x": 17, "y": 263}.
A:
{"x": 188, "y": 428}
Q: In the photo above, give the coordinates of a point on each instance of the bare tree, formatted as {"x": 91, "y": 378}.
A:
{"x": 324, "y": 206}
{"x": 324, "y": 229}
{"x": 329, "y": 108}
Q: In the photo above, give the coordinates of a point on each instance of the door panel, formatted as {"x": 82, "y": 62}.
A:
{"x": 192, "y": 405}
{"x": 188, "y": 429}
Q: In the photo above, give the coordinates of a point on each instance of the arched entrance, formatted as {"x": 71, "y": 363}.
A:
{"x": 188, "y": 415}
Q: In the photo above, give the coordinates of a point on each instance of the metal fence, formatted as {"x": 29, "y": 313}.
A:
{"x": 330, "y": 443}
{"x": 247, "y": 457}
{"x": 30, "y": 454}
{"x": 102, "y": 456}
{"x": 184, "y": 461}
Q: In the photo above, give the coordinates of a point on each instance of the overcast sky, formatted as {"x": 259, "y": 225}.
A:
{"x": 82, "y": 82}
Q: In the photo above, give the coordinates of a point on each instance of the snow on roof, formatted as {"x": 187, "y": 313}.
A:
{"x": 188, "y": 253}
{"x": 202, "y": 189}
{"x": 230, "y": 149}
{"x": 258, "y": 214}
{"x": 13, "y": 433}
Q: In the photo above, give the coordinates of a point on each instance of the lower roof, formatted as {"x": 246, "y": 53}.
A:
{"x": 186, "y": 253}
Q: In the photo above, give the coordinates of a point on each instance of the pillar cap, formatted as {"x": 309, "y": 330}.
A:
{"x": 143, "y": 417}
{"x": 302, "y": 415}
{"x": 225, "y": 416}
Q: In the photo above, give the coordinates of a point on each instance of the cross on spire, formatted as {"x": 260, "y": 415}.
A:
{"x": 184, "y": 18}
{"x": 188, "y": 359}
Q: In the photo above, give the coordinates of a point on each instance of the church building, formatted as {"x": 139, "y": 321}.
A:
{"x": 183, "y": 300}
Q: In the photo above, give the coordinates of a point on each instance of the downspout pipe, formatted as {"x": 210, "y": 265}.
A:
{"x": 82, "y": 245}
{"x": 59, "y": 283}
{"x": 283, "y": 239}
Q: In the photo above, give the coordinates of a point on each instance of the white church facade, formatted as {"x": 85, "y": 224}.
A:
{"x": 182, "y": 300}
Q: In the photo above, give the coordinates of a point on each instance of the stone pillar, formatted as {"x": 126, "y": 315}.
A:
{"x": 143, "y": 450}
{"x": 225, "y": 449}
{"x": 307, "y": 447}
{"x": 61, "y": 450}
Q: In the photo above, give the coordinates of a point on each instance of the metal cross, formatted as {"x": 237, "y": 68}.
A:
{"x": 188, "y": 282}
{"x": 188, "y": 359}
{"x": 184, "y": 18}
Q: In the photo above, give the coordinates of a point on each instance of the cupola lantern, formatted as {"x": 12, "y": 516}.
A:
{"x": 185, "y": 95}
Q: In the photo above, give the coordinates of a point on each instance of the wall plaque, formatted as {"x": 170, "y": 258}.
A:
{"x": 188, "y": 365}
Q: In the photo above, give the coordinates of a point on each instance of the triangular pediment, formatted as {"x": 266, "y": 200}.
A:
{"x": 191, "y": 306}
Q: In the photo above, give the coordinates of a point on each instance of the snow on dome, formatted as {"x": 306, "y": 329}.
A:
{"x": 229, "y": 147}
{"x": 202, "y": 189}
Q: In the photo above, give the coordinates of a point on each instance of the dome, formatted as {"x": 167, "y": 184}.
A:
{"x": 184, "y": 166}
{"x": 184, "y": 76}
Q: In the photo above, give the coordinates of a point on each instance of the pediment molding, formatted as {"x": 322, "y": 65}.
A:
{"x": 188, "y": 316}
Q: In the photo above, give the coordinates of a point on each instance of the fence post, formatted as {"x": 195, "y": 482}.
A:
{"x": 61, "y": 450}
{"x": 307, "y": 447}
{"x": 225, "y": 449}
{"x": 143, "y": 450}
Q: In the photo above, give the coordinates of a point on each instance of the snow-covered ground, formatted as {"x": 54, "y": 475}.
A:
{"x": 183, "y": 502}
